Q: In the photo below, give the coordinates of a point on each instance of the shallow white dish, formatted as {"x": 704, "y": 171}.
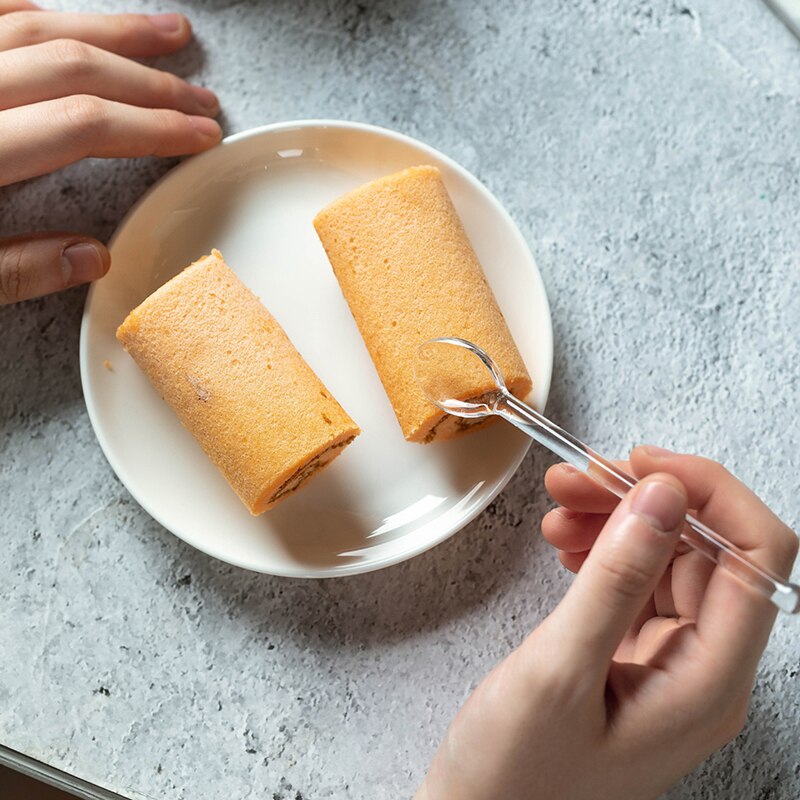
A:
{"x": 254, "y": 198}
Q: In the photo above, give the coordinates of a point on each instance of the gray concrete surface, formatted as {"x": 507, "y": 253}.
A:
{"x": 649, "y": 152}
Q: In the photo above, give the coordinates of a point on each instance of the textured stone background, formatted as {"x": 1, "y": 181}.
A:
{"x": 649, "y": 152}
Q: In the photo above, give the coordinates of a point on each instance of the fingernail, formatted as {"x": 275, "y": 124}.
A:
{"x": 661, "y": 504}
{"x": 657, "y": 452}
{"x": 82, "y": 263}
{"x": 205, "y": 97}
{"x": 206, "y": 127}
{"x": 166, "y": 23}
{"x": 568, "y": 469}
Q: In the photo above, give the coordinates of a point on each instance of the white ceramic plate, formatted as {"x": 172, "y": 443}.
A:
{"x": 254, "y": 198}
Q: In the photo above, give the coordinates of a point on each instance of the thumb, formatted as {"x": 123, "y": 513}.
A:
{"x": 622, "y": 570}
{"x": 41, "y": 263}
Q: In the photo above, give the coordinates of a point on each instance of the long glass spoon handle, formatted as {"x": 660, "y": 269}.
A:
{"x": 783, "y": 594}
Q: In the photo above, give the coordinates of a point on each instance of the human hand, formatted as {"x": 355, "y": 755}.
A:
{"x": 647, "y": 664}
{"x": 68, "y": 91}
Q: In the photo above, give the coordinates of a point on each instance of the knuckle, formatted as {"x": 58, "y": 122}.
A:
{"x": 715, "y": 471}
{"x": 711, "y": 470}
{"x": 626, "y": 578}
{"x": 85, "y": 115}
{"x": 13, "y": 283}
{"x": 25, "y": 27}
{"x": 130, "y": 28}
{"x": 166, "y": 118}
{"x": 73, "y": 59}
{"x": 168, "y": 86}
{"x": 168, "y": 125}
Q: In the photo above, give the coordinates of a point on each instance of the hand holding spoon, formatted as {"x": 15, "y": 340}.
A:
{"x": 434, "y": 371}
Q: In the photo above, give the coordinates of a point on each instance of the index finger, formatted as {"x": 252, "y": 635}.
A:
{"x": 46, "y": 136}
{"x": 574, "y": 489}
{"x": 133, "y": 35}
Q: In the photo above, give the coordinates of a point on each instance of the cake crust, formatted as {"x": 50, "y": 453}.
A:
{"x": 409, "y": 273}
{"x": 236, "y": 382}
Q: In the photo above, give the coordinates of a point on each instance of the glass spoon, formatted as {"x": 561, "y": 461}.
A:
{"x": 440, "y": 360}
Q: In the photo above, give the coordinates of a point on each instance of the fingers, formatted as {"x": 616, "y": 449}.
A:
{"x": 66, "y": 67}
{"x": 572, "y": 561}
{"x": 572, "y": 531}
{"x": 38, "y": 264}
{"x": 733, "y": 621}
{"x": 6, "y": 6}
{"x": 679, "y": 593}
{"x": 690, "y": 575}
{"x": 45, "y": 136}
{"x": 135, "y": 35}
{"x": 574, "y": 489}
{"x": 620, "y": 573}
{"x": 725, "y": 504}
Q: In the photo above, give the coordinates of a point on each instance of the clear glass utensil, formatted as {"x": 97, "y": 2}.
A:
{"x": 434, "y": 371}
{"x": 789, "y": 12}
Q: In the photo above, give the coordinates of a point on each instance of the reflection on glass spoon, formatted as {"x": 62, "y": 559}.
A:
{"x": 449, "y": 370}
{"x": 441, "y": 367}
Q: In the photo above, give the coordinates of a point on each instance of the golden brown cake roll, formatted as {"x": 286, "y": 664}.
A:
{"x": 409, "y": 274}
{"x": 236, "y": 382}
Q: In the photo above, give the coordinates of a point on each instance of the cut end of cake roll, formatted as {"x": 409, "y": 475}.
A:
{"x": 409, "y": 273}
{"x": 440, "y": 426}
{"x": 236, "y": 383}
{"x": 296, "y": 479}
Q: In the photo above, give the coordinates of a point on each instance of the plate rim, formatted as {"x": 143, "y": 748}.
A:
{"x": 355, "y": 568}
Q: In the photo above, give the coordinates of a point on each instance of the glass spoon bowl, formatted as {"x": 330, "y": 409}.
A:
{"x": 445, "y": 370}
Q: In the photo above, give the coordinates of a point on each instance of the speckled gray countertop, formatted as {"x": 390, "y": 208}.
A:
{"x": 650, "y": 152}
